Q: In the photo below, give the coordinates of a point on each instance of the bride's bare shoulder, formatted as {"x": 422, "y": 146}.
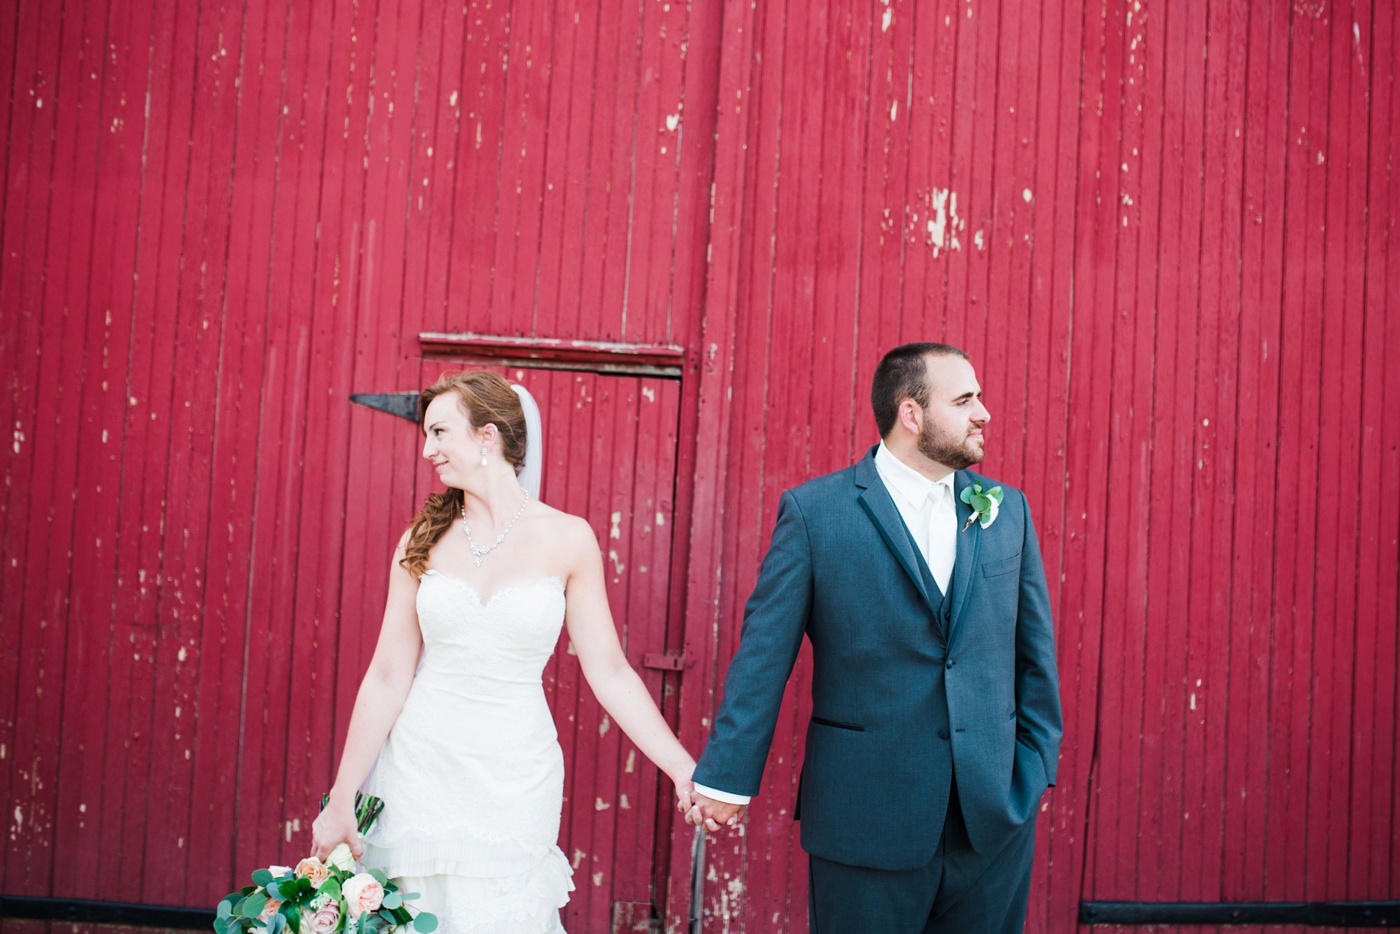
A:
{"x": 572, "y": 533}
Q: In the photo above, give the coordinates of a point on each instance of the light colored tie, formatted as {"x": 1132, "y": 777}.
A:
{"x": 942, "y": 537}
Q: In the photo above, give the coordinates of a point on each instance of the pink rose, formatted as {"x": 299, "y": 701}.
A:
{"x": 324, "y": 920}
{"x": 269, "y": 909}
{"x": 362, "y": 892}
{"x": 313, "y": 870}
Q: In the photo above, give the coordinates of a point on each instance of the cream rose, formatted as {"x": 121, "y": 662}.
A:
{"x": 324, "y": 920}
{"x": 313, "y": 870}
{"x": 341, "y": 858}
{"x": 362, "y": 893}
{"x": 269, "y": 909}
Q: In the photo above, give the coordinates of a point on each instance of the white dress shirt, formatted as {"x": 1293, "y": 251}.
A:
{"x": 928, "y": 510}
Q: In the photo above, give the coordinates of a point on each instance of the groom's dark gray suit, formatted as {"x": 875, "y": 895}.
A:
{"x": 909, "y": 688}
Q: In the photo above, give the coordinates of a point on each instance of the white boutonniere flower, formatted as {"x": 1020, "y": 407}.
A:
{"x": 984, "y": 505}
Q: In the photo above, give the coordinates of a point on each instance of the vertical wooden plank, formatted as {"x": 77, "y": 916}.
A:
{"x": 524, "y": 138}
{"x": 711, "y": 540}
{"x": 841, "y": 422}
{"x": 1216, "y": 390}
{"x": 1339, "y": 629}
{"x": 150, "y": 421}
{"x": 187, "y": 619}
{"x": 566, "y": 163}
{"x": 117, "y": 79}
{"x": 26, "y": 865}
{"x": 1373, "y": 778}
{"x": 85, "y": 317}
{"x": 1118, "y": 779}
{"x": 1053, "y": 236}
{"x": 300, "y": 104}
{"x": 253, "y": 237}
{"x": 1090, "y": 354}
{"x": 1285, "y": 866}
{"x": 479, "y": 160}
{"x": 1265, "y": 133}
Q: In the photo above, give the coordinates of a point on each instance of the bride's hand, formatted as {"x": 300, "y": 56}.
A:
{"x": 335, "y": 824}
{"x": 685, "y": 788}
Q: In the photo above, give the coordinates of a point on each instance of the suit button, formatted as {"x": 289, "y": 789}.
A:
{"x": 942, "y": 734}
{"x": 950, "y": 663}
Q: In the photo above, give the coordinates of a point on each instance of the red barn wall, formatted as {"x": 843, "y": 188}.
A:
{"x": 1165, "y": 233}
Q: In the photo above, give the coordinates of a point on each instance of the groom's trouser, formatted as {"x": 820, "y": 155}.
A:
{"x": 958, "y": 892}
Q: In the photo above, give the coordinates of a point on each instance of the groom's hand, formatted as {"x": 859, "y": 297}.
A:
{"x": 712, "y": 814}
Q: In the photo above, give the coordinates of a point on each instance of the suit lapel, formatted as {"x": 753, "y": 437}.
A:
{"x": 876, "y": 502}
{"x": 966, "y": 560}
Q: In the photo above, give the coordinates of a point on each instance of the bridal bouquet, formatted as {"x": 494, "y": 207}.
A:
{"x": 322, "y": 898}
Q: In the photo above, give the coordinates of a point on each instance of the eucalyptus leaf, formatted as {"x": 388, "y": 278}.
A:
{"x": 253, "y": 905}
{"x": 225, "y": 908}
{"x": 425, "y": 922}
{"x": 262, "y": 877}
{"x": 379, "y": 876}
{"x": 221, "y": 924}
{"x": 392, "y": 900}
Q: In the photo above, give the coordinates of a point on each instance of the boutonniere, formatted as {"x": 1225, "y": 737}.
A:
{"x": 984, "y": 504}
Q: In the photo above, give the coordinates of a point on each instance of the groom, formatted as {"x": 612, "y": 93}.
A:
{"x": 935, "y": 700}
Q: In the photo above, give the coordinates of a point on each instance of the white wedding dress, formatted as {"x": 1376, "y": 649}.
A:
{"x": 472, "y": 776}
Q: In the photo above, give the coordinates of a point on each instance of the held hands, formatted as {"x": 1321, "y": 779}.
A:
{"x": 335, "y": 824}
{"x": 685, "y": 788}
{"x": 712, "y": 814}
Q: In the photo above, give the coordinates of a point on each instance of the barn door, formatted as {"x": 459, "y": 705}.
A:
{"x": 610, "y": 456}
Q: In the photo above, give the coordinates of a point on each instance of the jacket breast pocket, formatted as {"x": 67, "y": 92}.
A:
{"x": 1002, "y": 566}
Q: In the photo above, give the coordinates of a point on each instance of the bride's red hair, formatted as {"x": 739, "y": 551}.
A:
{"x": 486, "y": 399}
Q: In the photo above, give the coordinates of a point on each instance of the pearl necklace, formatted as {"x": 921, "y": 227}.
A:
{"x": 477, "y": 551}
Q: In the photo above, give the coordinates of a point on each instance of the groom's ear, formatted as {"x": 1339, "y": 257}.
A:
{"x": 911, "y": 416}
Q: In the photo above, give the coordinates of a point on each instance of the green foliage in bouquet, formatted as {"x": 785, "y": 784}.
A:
{"x": 323, "y": 898}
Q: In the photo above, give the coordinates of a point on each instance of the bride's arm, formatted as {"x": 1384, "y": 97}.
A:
{"x": 377, "y": 706}
{"x": 614, "y": 682}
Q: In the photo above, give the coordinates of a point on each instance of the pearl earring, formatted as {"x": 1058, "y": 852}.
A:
{"x": 483, "y": 457}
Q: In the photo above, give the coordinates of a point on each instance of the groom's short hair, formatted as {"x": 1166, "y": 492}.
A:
{"x": 903, "y": 374}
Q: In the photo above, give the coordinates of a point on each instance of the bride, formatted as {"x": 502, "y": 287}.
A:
{"x": 463, "y": 747}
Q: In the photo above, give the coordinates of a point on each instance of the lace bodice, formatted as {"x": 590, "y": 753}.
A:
{"x": 508, "y": 638}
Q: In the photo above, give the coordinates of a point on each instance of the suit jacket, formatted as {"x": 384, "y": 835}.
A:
{"x": 903, "y": 695}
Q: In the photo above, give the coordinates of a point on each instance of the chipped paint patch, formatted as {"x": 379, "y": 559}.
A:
{"x": 623, "y": 803}
{"x": 940, "y": 230}
{"x": 597, "y": 878}
{"x": 578, "y": 858}
{"x": 604, "y": 726}
{"x": 615, "y": 529}
{"x": 618, "y": 566}
{"x": 600, "y": 805}
{"x": 672, "y": 121}
{"x": 886, "y": 20}
{"x": 979, "y": 241}
{"x": 649, "y": 394}
{"x": 19, "y": 438}
{"x": 631, "y": 762}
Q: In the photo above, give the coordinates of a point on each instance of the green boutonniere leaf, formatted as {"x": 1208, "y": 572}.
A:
{"x": 984, "y": 503}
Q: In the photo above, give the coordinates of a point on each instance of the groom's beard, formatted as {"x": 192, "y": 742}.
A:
{"x": 943, "y": 448}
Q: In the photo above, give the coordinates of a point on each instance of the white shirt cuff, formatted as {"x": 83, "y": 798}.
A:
{"x": 722, "y": 796}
